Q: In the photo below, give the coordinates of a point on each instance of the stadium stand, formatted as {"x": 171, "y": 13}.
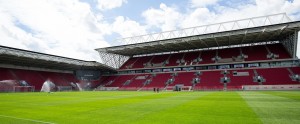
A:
{"x": 121, "y": 80}
{"x": 175, "y": 59}
{"x": 137, "y": 81}
{"x": 276, "y": 76}
{"x": 241, "y": 77}
{"x": 159, "y": 80}
{"x": 184, "y": 78}
{"x": 31, "y": 77}
{"x": 5, "y": 74}
{"x": 220, "y": 60}
{"x": 210, "y": 80}
{"x": 37, "y": 78}
{"x": 229, "y": 55}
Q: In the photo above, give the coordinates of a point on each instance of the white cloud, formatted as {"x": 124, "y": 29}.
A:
{"x": 202, "y": 3}
{"x": 168, "y": 18}
{"x": 70, "y": 28}
{"x": 110, "y": 4}
{"x": 258, "y": 8}
{"x": 198, "y": 17}
{"x": 165, "y": 17}
{"x": 66, "y": 28}
{"x": 127, "y": 28}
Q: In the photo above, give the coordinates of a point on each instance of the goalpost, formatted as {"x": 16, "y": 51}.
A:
{"x": 23, "y": 88}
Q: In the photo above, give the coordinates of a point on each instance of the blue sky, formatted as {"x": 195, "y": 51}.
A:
{"x": 74, "y": 28}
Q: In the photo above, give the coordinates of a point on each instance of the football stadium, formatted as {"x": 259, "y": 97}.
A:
{"x": 240, "y": 71}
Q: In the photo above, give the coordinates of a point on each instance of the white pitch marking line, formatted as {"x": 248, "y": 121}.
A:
{"x": 44, "y": 122}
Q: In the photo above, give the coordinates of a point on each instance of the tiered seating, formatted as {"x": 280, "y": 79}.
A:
{"x": 37, "y": 78}
{"x": 160, "y": 58}
{"x": 174, "y": 58}
{"x": 184, "y": 78}
{"x": 255, "y": 53}
{"x": 210, "y": 80}
{"x": 276, "y": 76}
{"x": 159, "y": 80}
{"x": 70, "y": 78}
{"x": 5, "y": 74}
{"x": 118, "y": 82}
{"x": 237, "y": 81}
{"x": 138, "y": 81}
{"x": 296, "y": 70}
{"x": 31, "y": 77}
{"x": 207, "y": 56}
{"x": 56, "y": 78}
{"x": 142, "y": 60}
{"x": 228, "y": 53}
{"x": 280, "y": 50}
{"x": 107, "y": 79}
{"x": 189, "y": 57}
{"x": 129, "y": 62}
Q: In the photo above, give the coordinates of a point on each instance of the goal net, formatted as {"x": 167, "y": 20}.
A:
{"x": 64, "y": 88}
{"x": 23, "y": 88}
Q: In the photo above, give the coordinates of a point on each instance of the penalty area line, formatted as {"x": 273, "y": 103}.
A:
{"x": 44, "y": 122}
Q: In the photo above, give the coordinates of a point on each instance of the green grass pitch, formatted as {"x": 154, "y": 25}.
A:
{"x": 259, "y": 107}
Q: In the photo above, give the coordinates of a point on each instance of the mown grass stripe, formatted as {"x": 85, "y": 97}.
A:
{"x": 215, "y": 107}
{"x": 272, "y": 108}
{"x": 140, "y": 111}
{"x": 291, "y": 95}
{"x": 149, "y": 107}
{"x": 25, "y": 119}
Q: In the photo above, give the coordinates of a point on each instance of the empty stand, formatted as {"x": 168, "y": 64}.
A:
{"x": 190, "y": 57}
{"x": 37, "y": 78}
{"x": 296, "y": 70}
{"x": 108, "y": 80}
{"x": 56, "y": 78}
{"x": 229, "y": 53}
{"x": 33, "y": 78}
{"x": 207, "y": 56}
{"x": 255, "y": 53}
{"x": 184, "y": 78}
{"x": 160, "y": 58}
{"x": 276, "y": 76}
{"x": 5, "y": 74}
{"x": 129, "y": 63}
{"x": 142, "y": 61}
{"x": 280, "y": 50}
{"x": 70, "y": 77}
{"x": 119, "y": 82}
{"x": 138, "y": 81}
{"x": 242, "y": 77}
{"x": 210, "y": 80}
{"x": 174, "y": 58}
{"x": 159, "y": 80}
